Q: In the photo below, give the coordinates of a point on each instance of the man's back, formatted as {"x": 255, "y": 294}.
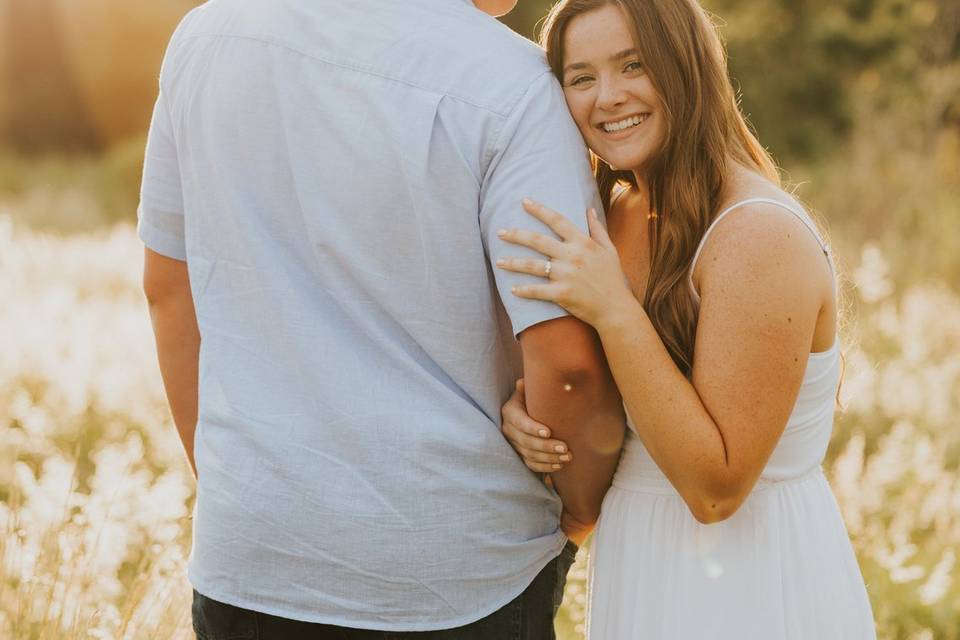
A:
{"x": 334, "y": 174}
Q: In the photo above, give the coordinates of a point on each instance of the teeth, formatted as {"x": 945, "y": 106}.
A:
{"x": 611, "y": 127}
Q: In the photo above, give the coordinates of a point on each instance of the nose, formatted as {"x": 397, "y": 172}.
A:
{"x": 611, "y": 95}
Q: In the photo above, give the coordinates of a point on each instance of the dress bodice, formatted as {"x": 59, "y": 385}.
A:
{"x": 801, "y": 448}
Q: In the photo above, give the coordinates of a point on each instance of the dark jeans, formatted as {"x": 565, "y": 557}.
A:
{"x": 528, "y": 617}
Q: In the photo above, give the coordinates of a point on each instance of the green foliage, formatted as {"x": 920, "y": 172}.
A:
{"x": 803, "y": 65}
{"x": 806, "y": 68}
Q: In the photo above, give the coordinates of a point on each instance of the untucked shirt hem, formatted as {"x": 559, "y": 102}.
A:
{"x": 380, "y": 625}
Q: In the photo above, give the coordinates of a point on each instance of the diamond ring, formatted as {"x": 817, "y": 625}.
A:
{"x": 548, "y": 268}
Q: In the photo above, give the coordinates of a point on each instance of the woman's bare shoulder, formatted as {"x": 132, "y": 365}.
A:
{"x": 769, "y": 233}
{"x": 758, "y": 211}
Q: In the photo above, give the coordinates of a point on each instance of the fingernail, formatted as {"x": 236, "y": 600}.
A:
{"x": 500, "y": 263}
{"x": 559, "y": 448}
{"x": 543, "y": 433}
{"x": 593, "y": 212}
{"x": 527, "y": 202}
{"x": 558, "y": 466}
{"x": 513, "y": 289}
{"x": 502, "y": 232}
{"x": 565, "y": 457}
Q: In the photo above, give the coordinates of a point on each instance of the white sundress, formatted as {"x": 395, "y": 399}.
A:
{"x": 781, "y": 568}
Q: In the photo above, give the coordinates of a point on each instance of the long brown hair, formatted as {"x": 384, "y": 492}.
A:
{"x": 705, "y": 130}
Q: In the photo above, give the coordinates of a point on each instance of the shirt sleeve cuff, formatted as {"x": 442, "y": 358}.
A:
{"x": 534, "y": 313}
{"x": 162, "y": 242}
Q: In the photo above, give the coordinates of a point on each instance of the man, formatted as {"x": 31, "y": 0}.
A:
{"x": 323, "y": 186}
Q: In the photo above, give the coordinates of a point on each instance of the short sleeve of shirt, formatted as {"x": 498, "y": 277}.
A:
{"x": 160, "y": 223}
{"x": 539, "y": 155}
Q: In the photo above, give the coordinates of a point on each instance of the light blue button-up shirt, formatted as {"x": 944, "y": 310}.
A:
{"x": 334, "y": 173}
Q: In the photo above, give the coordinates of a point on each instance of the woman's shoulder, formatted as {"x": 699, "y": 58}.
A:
{"x": 755, "y": 210}
{"x": 748, "y": 189}
{"x": 761, "y": 223}
{"x": 761, "y": 233}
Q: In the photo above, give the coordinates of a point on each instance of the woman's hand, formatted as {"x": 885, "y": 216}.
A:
{"x": 584, "y": 271}
{"x": 529, "y": 438}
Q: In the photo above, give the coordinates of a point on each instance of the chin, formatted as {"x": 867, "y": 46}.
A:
{"x": 629, "y": 163}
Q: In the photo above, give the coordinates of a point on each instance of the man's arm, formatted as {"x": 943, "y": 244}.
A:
{"x": 167, "y": 288}
{"x": 539, "y": 154}
{"x": 569, "y": 387}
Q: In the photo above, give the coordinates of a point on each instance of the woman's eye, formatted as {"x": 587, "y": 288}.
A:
{"x": 579, "y": 80}
{"x": 634, "y": 66}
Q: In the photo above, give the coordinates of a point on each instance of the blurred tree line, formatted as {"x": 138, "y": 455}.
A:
{"x": 81, "y": 74}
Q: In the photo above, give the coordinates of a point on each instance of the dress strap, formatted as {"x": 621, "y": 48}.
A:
{"x": 799, "y": 213}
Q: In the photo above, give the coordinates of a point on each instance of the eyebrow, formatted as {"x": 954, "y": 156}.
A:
{"x": 626, "y": 53}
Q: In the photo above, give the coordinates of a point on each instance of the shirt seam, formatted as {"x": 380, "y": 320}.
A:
{"x": 357, "y": 68}
{"x": 501, "y": 126}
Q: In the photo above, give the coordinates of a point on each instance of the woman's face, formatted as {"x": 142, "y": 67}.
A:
{"x": 609, "y": 92}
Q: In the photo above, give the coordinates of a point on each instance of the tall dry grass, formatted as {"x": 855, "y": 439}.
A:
{"x": 94, "y": 496}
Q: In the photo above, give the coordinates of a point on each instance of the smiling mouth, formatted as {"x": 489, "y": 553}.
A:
{"x": 626, "y": 123}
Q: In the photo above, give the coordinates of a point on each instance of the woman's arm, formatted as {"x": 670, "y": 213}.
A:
{"x": 763, "y": 284}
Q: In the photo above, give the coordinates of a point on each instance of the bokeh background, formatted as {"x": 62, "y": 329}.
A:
{"x": 859, "y": 101}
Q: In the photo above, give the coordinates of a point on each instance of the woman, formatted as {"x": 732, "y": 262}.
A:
{"x": 714, "y": 297}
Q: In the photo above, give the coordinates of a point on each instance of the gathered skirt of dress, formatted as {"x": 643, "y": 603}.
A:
{"x": 781, "y": 568}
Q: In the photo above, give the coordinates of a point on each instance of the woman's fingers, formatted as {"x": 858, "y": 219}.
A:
{"x": 531, "y": 439}
{"x": 546, "y": 462}
{"x": 556, "y": 221}
{"x": 548, "y": 292}
{"x": 537, "y": 241}
{"x": 549, "y": 455}
{"x": 516, "y": 418}
{"x": 547, "y": 450}
{"x": 541, "y": 468}
{"x": 531, "y": 266}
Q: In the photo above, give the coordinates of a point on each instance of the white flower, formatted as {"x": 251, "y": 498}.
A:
{"x": 871, "y": 277}
{"x": 940, "y": 579}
